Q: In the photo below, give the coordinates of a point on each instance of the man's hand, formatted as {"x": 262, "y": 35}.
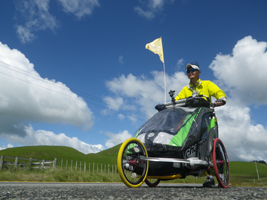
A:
{"x": 219, "y": 102}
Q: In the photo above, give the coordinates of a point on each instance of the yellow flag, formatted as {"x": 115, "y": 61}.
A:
{"x": 157, "y": 48}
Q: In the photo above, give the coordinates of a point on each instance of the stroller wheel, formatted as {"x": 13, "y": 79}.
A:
{"x": 220, "y": 163}
{"x": 131, "y": 168}
{"x": 152, "y": 182}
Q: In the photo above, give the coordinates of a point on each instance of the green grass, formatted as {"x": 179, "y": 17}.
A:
{"x": 245, "y": 174}
{"x": 242, "y": 173}
{"x": 57, "y": 175}
{"x": 61, "y": 152}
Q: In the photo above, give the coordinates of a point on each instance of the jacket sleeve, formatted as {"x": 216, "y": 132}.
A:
{"x": 181, "y": 95}
{"x": 216, "y": 92}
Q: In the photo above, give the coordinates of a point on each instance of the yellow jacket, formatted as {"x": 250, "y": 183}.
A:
{"x": 206, "y": 88}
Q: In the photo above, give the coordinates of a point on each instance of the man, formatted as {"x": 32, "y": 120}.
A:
{"x": 200, "y": 87}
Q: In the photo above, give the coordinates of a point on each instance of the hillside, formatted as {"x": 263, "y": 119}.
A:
{"x": 108, "y": 156}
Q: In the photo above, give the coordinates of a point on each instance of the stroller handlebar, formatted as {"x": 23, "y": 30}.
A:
{"x": 193, "y": 101}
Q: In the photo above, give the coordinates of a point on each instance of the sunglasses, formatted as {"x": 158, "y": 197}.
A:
{"x": 191, "y": 70}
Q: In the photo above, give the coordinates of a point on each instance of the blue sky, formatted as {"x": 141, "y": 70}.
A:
{"x": 76, "y": 72}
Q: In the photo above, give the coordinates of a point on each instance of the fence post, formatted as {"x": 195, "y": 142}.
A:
{"x": 257, "y": 171}
{"x": 108, "y": 168}
{"x": 66, "y": 164}
{"x": 30, "y": 163}
{"x": 93, "y": 167}
{"x": 43, "y": 164}
{"x": 61, "y": 163}
{"x": 84, "y": 166}
{"x": 16, "y": 162}
{"x": 55, "y": 163}
{"x": 2, "y": 162}
{"x": 80, "y": 166}
{"x": 76, "y": 165}
{"x": 71, "y": 165}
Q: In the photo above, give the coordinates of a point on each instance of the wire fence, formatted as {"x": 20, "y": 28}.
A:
{"x": 88, "y": 166}
{"x": 9, "y": 162}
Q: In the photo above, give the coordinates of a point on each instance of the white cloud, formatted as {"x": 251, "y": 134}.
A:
{"x": 5, "y": 147}
{"x": 121, "y": 60}
{"x": 79, "y": 8}
{"x": 27, "y": 97}
{"x": 37, "y": 17}
{"x": 149, "y": 14}
{"x": 117, "y": 138}
{"x": 146, "y": 93}
{"x": 153, "y": 7}
{"x": 180, "y": 64}
{"x": 243, "y": 73}
{"x": 42, "y": 137}
{"x": 34, "y": 15}
{"x": 121, "y": 116}
{"x": 114, "y": 103}
{"x": 243, "y": 139}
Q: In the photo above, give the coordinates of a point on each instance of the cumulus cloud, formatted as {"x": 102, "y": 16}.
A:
{"x": 142, "y": 93}
{"x": 27, "y": 97}
{"x": 37, "y": 17}
{"x": 42, "y": 137}
{"x": 152, "y": 7}
{"x": 114, "y": 103}
{"x": 243, "y": 139}
{"x": 241, "y": 74}
{"x": 117, "y": 138}
{"x": 79, "y": 8}
{"x": 5, "y": 147}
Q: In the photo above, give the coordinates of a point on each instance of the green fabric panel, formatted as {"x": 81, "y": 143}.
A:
{"x": 136, "y": 134}
{"x": 212, "y": 124}
{"x": 180, "y": 137}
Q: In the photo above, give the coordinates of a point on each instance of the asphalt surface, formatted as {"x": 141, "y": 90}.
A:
{"x": 26, "y": 190}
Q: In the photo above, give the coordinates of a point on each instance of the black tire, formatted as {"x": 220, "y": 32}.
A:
{"x": 131, "y": 168}
{"x": 152, "y": 183}
{"x": 221, "y": 163}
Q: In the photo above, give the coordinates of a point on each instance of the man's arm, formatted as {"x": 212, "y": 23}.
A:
{"x": 216, "y": 92}
{"x": 181, "y": 95}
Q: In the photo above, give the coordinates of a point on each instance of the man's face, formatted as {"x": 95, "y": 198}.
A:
{"x": 193, "y": 74}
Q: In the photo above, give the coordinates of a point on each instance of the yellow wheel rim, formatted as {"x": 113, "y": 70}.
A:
{"x": 132, "y": 175}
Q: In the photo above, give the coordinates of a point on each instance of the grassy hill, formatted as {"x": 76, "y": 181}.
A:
{"x": 247, "y": 169}
{"x": 108, "y": 156}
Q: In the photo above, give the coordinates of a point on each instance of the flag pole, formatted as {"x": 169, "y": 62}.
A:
{"x": 164, "y": 82}
{"x": 157, "y": 48}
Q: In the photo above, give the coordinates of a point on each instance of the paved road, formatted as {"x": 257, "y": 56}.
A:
{"x": 16, "y": 190}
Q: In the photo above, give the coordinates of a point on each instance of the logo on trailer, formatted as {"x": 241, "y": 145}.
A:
{"x": 191, "y": 151}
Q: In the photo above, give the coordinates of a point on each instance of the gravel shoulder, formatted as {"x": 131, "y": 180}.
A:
{"x": 26, "y": 190}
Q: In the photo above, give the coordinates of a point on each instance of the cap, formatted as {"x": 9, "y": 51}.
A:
{"x": 193, "y": 66}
